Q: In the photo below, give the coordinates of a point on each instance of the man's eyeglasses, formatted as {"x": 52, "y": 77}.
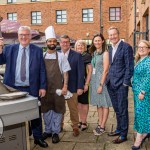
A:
{"x": 65, "y": 42}
{"x": 24, "y": 35}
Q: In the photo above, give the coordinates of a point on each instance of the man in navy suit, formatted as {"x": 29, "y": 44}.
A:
{"x": 76, "y": 80}
{"x": 118, "y": 81}
{"x": 25, "y": 71}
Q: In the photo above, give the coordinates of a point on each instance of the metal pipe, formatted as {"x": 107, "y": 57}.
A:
{"x": 1, "y": 18}
{"x": 134, "y": 36}
{"x": 101, "y": 21}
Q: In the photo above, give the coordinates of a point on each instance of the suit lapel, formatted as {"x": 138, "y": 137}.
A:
{"x": 31, "y": 54}
{"x": 70, "y": 55}
{"x": 110, "y": 55}
{"x": 15, "y": 55}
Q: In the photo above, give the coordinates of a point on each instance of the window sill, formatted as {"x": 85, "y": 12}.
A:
{"x": 115, "y": 21}
{"x": 60, "y": 23}
{"x": 38, "y": 24}
{"x": 88, "y": 22}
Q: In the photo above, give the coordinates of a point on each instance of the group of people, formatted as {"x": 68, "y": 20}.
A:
{"x": 99, "y": 77}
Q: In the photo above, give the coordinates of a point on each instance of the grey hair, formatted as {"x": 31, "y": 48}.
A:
{"x": 112, "y": 28}
{"x": 64, "y": 37}
{"x": 24, "y": 28}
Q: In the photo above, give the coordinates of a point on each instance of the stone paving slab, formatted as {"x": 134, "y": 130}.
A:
{"x": 86, "y": 140}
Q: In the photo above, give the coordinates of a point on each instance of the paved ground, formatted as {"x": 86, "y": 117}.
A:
{"x": 87, "y": 141}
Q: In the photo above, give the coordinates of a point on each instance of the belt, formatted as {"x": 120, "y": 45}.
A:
{"x": 23, "y": 86}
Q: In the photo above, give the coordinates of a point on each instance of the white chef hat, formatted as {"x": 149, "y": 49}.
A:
{"x": 50, "y": 33}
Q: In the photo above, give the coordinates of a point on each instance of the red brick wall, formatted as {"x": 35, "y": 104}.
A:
{"x": 75, "y": 28}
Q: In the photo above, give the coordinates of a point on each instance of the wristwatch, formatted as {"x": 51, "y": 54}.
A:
{"x": 100, "y": 84}
{"x": 143, "y": 92}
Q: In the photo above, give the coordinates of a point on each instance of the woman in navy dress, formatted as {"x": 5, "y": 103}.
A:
{"x": 83, "y": 101}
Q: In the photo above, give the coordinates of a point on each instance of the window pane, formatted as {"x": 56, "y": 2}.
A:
{"x": 58, "y": 12}
{"x": 58, "y": 20}
{"x": 112, "y": 18}
{"x": 64, "y": 12}
{"x": 84, "y": 11}
{"x": 38, "y": 21}
{"x": 90, "y": 15}
{"x": 38, "y": 13}
{"x": 90, "y": 10}
{"x": 117, "y": 18}
{"x": 64, "y": 20}
{"x": 38, "y": 17}
{"x": 112, "y": 14}
{"x": 85, "y": 16}
{"x": 117, "y": 9}
{"x": 85, "y": 19}
{"x": 90, "y": 19}
{"x": 58, "y": 17}
{"x": 33, "y": 21}
{"x": 33, "y": 13}
{"x": 112, "y": 9}
{"x": 63, "y": 16}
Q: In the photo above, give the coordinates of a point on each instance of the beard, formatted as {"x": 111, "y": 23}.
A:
{"x": 51, "y": 47}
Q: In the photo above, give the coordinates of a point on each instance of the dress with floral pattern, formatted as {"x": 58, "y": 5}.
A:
{"x": 103, "y": 99}
{"x": 141, "y": 82}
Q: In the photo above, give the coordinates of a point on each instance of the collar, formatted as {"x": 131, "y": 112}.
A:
{"x": 116, "y": 46}
{"x": 67, "y": 53}
{"x": 21, "y": 47}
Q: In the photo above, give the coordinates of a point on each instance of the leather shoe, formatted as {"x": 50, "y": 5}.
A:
{"x": 114, "y": 133}
{"x": 75, "y": 132}
{"x": 41, "y": 143}
{"x": 46, "y": 135}
{"x": 55, "y": 138}
{"x": 119, "y": 140}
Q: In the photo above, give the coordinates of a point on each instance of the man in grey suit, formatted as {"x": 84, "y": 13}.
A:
{"x": 118, "y": 81}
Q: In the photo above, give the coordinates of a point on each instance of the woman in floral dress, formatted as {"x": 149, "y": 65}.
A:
{"x": 141, "y": 90}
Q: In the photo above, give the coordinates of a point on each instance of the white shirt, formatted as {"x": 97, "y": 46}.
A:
{"x": 66, "y": 54}
{"x": 115, "y": 49}
{"x": 62, "y": 61}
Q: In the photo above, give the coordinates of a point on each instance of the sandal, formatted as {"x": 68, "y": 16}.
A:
{"x": 79, "y": 124}
{"x": 84, "y": 126}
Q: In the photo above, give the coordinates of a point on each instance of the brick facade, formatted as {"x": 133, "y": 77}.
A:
{"x": 142, "y": 19}
{"x": 74, "y": 27}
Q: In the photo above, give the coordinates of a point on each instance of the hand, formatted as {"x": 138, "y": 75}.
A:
{"x": 1, "y": 45}
{"x": 99, "y": 89}
{"x": 64, "y": 90}
{"x": 79, "y": 91}
{"x": 141, "y": 96}
{"x": 42, "y": 93}
{"x": 85, "y": 88}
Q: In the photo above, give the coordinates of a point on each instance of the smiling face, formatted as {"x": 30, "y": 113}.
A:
{"x": 113, "y": 36}
{"x": 98, "y": 42}
{"x": 143, "y": 49}
{"x": 24, "y": 37}
{"x": 51, "y": 43}
{"x": 80, "y": 48}
{"x": 65, "y": 44}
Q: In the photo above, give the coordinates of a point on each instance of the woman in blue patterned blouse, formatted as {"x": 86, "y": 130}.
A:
{"x": 141, "y": 90}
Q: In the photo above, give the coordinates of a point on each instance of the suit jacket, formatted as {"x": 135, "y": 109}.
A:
{"x": 122, "y": 66}
{"x": 76, "y": 74}
{"x": 37, "y": 73}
